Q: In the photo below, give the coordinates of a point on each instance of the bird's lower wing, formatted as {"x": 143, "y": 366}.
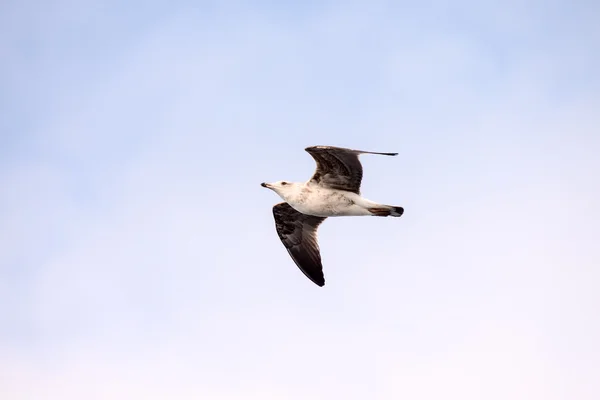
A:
{"x": 298, "y": 233}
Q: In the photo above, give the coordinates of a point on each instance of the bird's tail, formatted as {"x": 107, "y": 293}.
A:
{"x": 386, "y": 211}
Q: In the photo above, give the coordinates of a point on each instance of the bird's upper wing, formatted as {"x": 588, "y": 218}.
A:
{"x": 298, "y": 233}
{"x": 339, "y": 168}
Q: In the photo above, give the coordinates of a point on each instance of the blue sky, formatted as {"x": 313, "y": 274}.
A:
{"x": 138, "y": 256}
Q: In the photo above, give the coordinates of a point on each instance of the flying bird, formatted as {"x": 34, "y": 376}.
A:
{"x": 332, "y": 191}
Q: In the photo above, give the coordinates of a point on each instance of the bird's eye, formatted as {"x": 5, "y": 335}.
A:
{"x": 283, "y": 183}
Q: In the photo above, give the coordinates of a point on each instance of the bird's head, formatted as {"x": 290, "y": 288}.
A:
{"x": 282, "y": 188}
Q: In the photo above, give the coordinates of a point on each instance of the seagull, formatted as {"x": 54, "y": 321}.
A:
{"x": 332, "y": 191}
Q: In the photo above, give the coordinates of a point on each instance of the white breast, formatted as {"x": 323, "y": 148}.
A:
{"x": 322, "y": 202}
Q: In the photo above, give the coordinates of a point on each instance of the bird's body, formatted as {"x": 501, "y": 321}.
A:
{"x": 322, "y": 202}
{"x": 313, "y": 199}
{"x": 333, "y": 191}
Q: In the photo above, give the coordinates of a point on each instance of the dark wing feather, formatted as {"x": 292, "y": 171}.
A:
{"x": 339, "y": 168}
{"x": 298, "y": 233}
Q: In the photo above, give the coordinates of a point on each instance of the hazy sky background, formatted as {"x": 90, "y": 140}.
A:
{"x": 138, "y": 256}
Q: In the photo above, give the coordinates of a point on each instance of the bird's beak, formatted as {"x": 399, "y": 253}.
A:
{"x": 265, "y": 185}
